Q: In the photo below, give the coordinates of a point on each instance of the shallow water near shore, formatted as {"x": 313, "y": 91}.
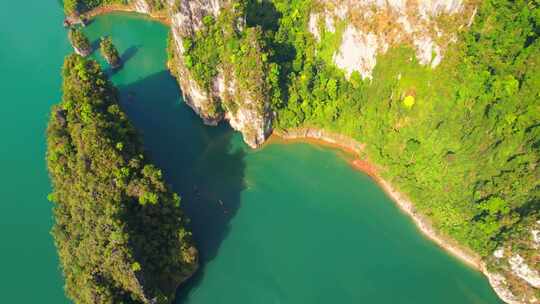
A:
{"x": 289, "y": 223}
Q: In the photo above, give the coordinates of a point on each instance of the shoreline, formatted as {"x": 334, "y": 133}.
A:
{"x": 356, "y": 158}
{"x": 354, "y": 148}
{"x": 160, "y": 17}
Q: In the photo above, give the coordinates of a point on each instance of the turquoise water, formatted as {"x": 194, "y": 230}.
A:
{"x": 296, "y": 223}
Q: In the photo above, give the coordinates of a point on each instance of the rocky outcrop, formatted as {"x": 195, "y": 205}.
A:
{"x": 186, "y": 19}
{"x": 372, "y": 26}
{"x": 500, "y": 286}
{"x": 513, "y": 272}
{"x": 249, "y": 115}
{"x": 82, "y": 51}
{"x": 141, "y": 6}
{"x": 522, "y": 270}
{"x": 81, "y": 45}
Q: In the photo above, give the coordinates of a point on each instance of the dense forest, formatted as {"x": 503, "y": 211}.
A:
{"x": 119, "y": 229}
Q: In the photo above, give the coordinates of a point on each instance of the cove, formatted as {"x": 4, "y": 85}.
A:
{"x": 289, "y": 223}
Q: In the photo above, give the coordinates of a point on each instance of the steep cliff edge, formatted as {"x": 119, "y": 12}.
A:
{"x": 228, "y": 92}
{"x": 368, "y": 28}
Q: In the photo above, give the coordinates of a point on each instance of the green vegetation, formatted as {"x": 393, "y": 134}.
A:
{"x": 109, "y": 51}
{"x": 80, "y": 42}
{"x": 460, "y": 140}
{"x": 225, "y": 45}
{"x": 118, "y": 228}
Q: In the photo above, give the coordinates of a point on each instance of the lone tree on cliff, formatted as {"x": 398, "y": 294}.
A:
{"x": 80, "y": 42}
{"x": 109, "y": 51}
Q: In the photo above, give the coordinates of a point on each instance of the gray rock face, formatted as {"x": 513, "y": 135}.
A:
{"x": 373, "y": 26}
{"x": 184, "y": 23}
{"x": 81, "y": 51}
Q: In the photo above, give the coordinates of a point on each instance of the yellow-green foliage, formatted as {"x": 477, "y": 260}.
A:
{"x": 118, "y": 228}
{"x": 408, "y": 101}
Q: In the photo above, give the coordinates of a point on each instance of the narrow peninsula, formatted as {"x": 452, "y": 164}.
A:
{"x": 119, "y": 229}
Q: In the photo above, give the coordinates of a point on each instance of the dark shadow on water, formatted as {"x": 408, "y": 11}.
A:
{"x": 95, "y": 45}
{"x": 129, "y": 53}
{"x": 109, "y": 71}
{"x": 197, "y": 161}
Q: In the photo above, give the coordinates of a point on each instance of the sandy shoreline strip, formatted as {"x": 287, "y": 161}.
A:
{"x": 102, "y": 10}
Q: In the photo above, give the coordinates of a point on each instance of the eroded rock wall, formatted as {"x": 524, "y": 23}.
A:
{"x": 371, "y": 27}
{"x": 251, "y": 115}
{"x": 141, "y": 6}
{"x": 513, "y": 270}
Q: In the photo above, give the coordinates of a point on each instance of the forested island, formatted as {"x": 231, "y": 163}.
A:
{"x": 79, "y": 42}
{"x": 445, "y": 96}
{"x": 109, "y": 52}
{"x": 119, "y": 230}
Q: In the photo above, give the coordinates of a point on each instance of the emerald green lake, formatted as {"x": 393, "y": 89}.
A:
{"x": 296, "y": 223}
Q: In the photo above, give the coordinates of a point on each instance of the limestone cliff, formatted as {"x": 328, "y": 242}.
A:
{"x": 186, "y": 19}
{"x": 370, "y": 27}
{"x": 246, "y": 111}
{"x": 366, "y": 28}
{"x": 141, "y": 6}
{"x": 512, "y": 270}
